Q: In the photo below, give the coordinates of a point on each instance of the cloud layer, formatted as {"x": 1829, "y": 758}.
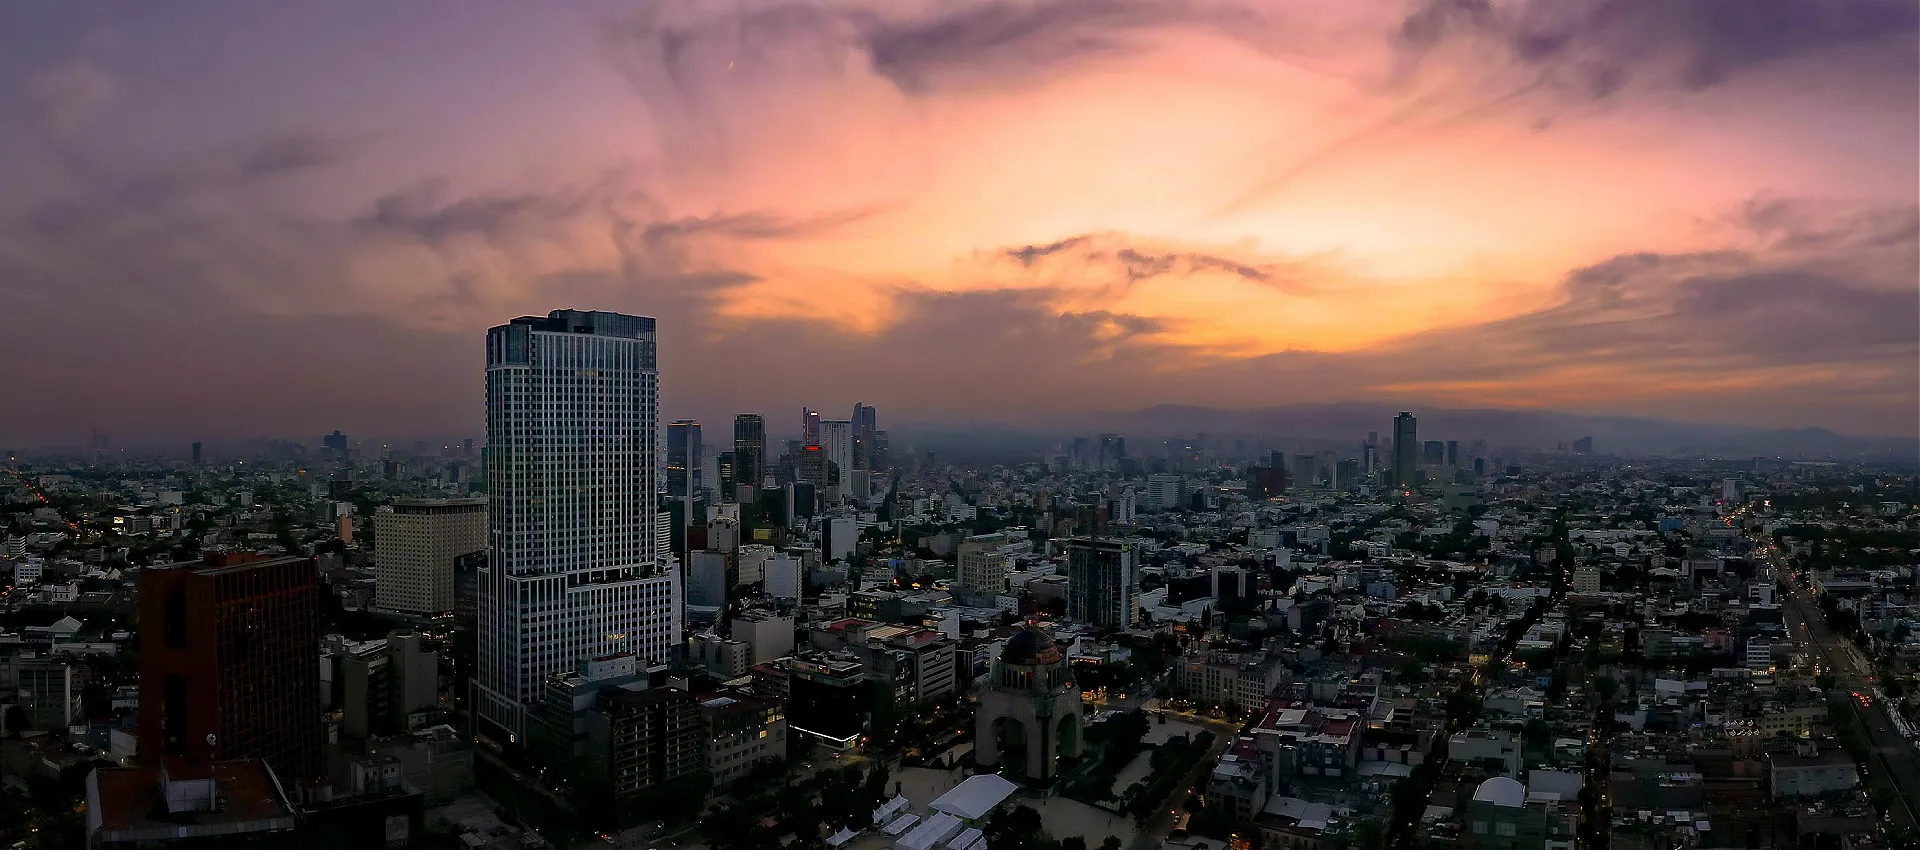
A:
{"x": 995, "y": 210}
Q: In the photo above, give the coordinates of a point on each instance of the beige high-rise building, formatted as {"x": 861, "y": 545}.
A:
{"x": 417, "y": 545}
{"x": 983, "y": 566}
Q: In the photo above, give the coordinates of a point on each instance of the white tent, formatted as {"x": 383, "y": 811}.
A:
{"x": 973, "y": 799}
{"x": 890, "y": 808}
{"x": 930, "y": 833}
{"x": 964, "y": 840}
{"x": 902, "y": 824}
{"x": 843, "y": 836}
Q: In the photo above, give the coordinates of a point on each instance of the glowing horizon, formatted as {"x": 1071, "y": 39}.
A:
{"x": 1055, "y": 206}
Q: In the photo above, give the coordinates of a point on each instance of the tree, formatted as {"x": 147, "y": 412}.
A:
{"x": 17, "y": 721}
{"x": 1112, "y": 843}
{"x": 1073, "y": 842}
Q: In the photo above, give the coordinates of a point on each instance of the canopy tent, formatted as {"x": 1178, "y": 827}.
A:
{"x": 972, "y": 799}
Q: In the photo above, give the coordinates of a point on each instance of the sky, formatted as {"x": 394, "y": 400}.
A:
{"x": 230, "y": 219}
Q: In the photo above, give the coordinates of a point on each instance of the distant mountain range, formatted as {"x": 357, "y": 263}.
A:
{"x": 1325, "y": 425}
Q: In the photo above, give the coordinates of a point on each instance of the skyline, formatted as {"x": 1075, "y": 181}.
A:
{"x": 232, "y": 220}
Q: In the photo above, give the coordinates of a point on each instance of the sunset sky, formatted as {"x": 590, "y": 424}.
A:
{"x": 228, "y": 218}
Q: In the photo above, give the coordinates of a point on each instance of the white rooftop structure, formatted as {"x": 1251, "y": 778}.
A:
{"x": 1501, "y": 791}
{"x": 901, "y": 824}
{"x": 965, "y": 839}
{"x": 972, "y": 799}
{"x": 1308, "y": 815}
{"x": 890, "y": 808}
{"x": 843, "y": 836}
{"x": 930, "y": 833}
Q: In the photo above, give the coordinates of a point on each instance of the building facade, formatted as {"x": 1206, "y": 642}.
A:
{"x": 228, "y": 651}
{"x": 1103, "y": 586}
{"x": 419, "y": 543}
{"x": 1406, "y": 450}
{"x": 749, "y": 450}
{"x": 572, "y": 464}
{"x": 982, "y": 566}
{"x": 646, "y": 742}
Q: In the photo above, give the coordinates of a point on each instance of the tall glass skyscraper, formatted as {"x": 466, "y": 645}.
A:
{"x": 749, "y": 449}
{"x": 683, "y": 459}
{"x": 573, "y": 569}
{"x": 1406, "y": 451}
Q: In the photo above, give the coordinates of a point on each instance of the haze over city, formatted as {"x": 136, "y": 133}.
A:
{"x": 229, "y": 220}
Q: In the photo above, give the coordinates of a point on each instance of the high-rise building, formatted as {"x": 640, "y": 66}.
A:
{"x": 982, "y": 566}
{"x": 1163, "y": 491}
{"x": 334, "y": 442}
{"x": 809, "y": 426}
{"x": 1583, "y": 446}
{"x": 1453, "y": 452}
{"x": 749, "y": 450}
{"x": 419, "y": 543}
{"x": 813, "y": 467}
{"x": 1103, "y": 582}
{"x": 1113, "y": 447}
{"x": 228, "y": 650}
{"x": 683, "y": 460}
{"x": 572, "y": 468}
{"x": 865, "y": 420}
{"x": 1406, "y": 450}
{"x": 729, "y": 477}
{"x": 645, "y": 743}
{"x": 877, "y": 448}
{"x": 1306, "y": 471}
{"x": 196, "y": 454}
{"x": 1433, "y": 453}
{"x": 836, "y": 439}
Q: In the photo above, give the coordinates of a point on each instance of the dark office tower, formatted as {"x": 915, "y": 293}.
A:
{"x": 1112, "y": 449}
{"x": 1406, "y": 450}
{"x": 749, "y": 450}
{"x": 1306, "y": 472}
{"x": 1433, "y": 453}
{"x": 813, "y": 467}
{"x": 683, "y": 459}
{"x": 877, "y": 450}
{"x": 729, "y": 467}
{"x": 866, "y": 420}
{"x": 227, "y": 649}
{"x": 1103, "y": 584}
{"x": 1583, "y": 446}
{"x": 1453, "y": 452}
{"x": 466, "y": 447}
{"x": 196, "y": 454}
{"x": 809, "y": 426}
{"x": 1479, "y": 466}
{"x": 1346, "y": 474}
{"x": 334, "y": 442}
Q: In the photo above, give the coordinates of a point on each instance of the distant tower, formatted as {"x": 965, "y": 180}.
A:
{"x": 196, "y": 454}
{"x": 1029, "y": 708}
{"x": 809, "y": 426}
{"x": 683, "y": 460}
{"x": 1406, "y": 450}
{"x": 749, "y": 450}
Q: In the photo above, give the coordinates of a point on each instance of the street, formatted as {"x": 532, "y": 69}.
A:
{"x": 1852, "y": 674}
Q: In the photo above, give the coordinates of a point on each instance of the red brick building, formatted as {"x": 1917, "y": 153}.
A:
{"x": 229, "y": 649}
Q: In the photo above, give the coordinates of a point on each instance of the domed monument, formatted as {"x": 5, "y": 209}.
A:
{"x": 1029, "y": 712}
